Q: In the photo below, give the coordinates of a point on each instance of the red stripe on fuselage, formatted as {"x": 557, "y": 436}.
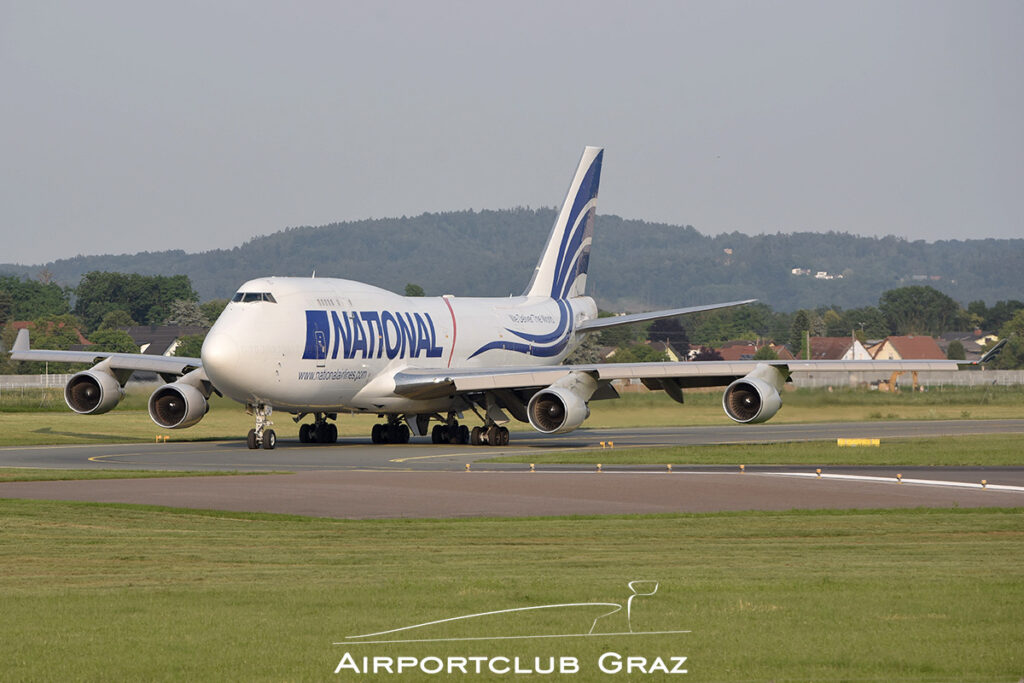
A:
{"x": 455, "y": 330}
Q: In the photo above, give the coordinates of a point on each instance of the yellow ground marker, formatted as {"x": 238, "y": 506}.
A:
{"x": 858, "y": 442}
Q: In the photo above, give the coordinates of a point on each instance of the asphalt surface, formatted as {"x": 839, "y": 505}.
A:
{"x": 421, "y": 455}
{"x": 355, "y": 479}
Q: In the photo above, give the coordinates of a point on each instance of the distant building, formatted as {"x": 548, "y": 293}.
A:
{"x": 161, "y": 340}
{"x": 973, "y": 342}
{"x": 667, "y": 349}
{"x": 838, "y": 348}
{"x": 745, "y": 350}
{"x": 909, "y": 348}
{"x": 607, "y": 353}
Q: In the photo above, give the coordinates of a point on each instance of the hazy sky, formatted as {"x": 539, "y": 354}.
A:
{"x": 142, "y": 126}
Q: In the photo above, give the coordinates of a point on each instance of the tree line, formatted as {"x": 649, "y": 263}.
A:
{"x": 634, "y": 264}
{"x": 99, "y": 309}
{"x": 105, "y": 303}
{"x": 914, "y": 310}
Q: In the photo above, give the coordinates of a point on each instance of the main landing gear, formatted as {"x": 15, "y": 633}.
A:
{"x": 489, "y": 436}
{"x": 454, "y": 433}
{"x": 392, "y": 431}
{"x": 261, "y": 436}
{"x": 320, "y": 431}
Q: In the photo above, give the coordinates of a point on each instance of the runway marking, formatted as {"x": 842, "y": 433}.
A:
{"x": 459, "y": 454}
{"x": 103, "y": 458}
{"x": 424, "y": 457}
{"x": 893, "y": 480}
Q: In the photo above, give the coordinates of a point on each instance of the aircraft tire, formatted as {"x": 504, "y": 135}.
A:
{"x": 493, "y": 435}
{"x": 504, "y": 436}
{"x": 463, "y": 434}
{"x": 269, "y": 439}
{"x": 474, "y": 437}
{"x": 251, "y": 440}
{"x": 375, "y": 434}
{"x": 304, "y": 433}
{"x": 332, "y": 437}
{"x": 403, "y": 434}
{"x": 435, "y": 434}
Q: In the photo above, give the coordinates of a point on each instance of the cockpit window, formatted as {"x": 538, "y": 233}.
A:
{"x": 249, "y": 297}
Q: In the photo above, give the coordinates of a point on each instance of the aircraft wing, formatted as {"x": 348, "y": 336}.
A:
{"x": 673, "y": 377}
{"x": 164, "y": 365}
{"x": 598, "y": 324}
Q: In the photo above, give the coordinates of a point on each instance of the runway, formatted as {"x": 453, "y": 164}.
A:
{"x": 356, "y": 480}
{"x": 421, "y": 455}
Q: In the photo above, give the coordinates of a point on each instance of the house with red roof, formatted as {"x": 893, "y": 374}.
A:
{"x": 745, "y": 350}
{"x": 914, "y": 347}
{"x": 838, "y": 348}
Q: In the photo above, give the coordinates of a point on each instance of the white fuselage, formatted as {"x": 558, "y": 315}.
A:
{"x": 329, "y": 345}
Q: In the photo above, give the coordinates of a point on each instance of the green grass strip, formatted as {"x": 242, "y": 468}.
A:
{"x": 101, "y": 592}
{"x": 33, "y": 474}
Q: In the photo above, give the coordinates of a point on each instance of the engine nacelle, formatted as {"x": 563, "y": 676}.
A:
{"x": 556, "y": 410}
{"x": 751, "y": 400}
{"x": 562, "y": 407}
{"x": 177, "y": 405}
{"x": 93, "y": 392}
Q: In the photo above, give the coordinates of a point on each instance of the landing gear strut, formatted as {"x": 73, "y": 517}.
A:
{"x": 320, "y": 431}
{"x": 261, "y": 436}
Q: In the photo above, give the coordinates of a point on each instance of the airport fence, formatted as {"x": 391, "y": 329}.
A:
{"x": 964, "y": 378}
{"x": 11, "y": 382}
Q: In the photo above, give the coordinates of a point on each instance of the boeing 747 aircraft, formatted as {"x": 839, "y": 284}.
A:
{"x": 322, "y": 346}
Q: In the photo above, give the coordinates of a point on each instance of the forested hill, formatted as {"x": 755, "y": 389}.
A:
{"x": 633, "y": 264}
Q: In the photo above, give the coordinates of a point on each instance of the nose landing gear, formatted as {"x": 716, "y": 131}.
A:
{"x": 261, "y": 436}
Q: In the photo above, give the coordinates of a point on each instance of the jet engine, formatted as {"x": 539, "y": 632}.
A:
{"x": 93, "y": 392}
{"x": 177, "y": 405}
{"x": 754, "y": 398}
{"x": 562, "y": 407}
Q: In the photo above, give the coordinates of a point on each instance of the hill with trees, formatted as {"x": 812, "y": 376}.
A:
{"x": 634, "y": 265}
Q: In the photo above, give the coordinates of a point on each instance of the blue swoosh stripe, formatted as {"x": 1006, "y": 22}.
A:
{"x": 560, "y": 336}
{"x": 563, "y": 320}
{"x": 540, "y": 352}
{"x": 587, "y": 191}
{"x": 567, "y": 272}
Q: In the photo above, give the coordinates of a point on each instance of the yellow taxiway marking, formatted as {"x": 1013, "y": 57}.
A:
{"x": 103, "y": 458}
{"x": 429, "y": 457}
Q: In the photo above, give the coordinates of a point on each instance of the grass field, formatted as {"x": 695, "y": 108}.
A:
{"x": 979, "y": 450}
{"x": 101, "y": 592}
{"x": 40, "y": 417}
{"x": 37, "y": 474}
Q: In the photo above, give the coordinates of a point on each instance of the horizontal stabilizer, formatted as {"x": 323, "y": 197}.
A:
{"x": 615, "y": 321}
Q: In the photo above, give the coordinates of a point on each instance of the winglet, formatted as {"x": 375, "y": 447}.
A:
{"x": 21, "y": 343}
{"x": 993, "y": 352}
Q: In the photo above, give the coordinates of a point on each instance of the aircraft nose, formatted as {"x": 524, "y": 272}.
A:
{"x": 222, "y": 361}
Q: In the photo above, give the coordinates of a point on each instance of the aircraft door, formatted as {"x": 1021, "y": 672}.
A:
{"x": 320, "y": 346}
